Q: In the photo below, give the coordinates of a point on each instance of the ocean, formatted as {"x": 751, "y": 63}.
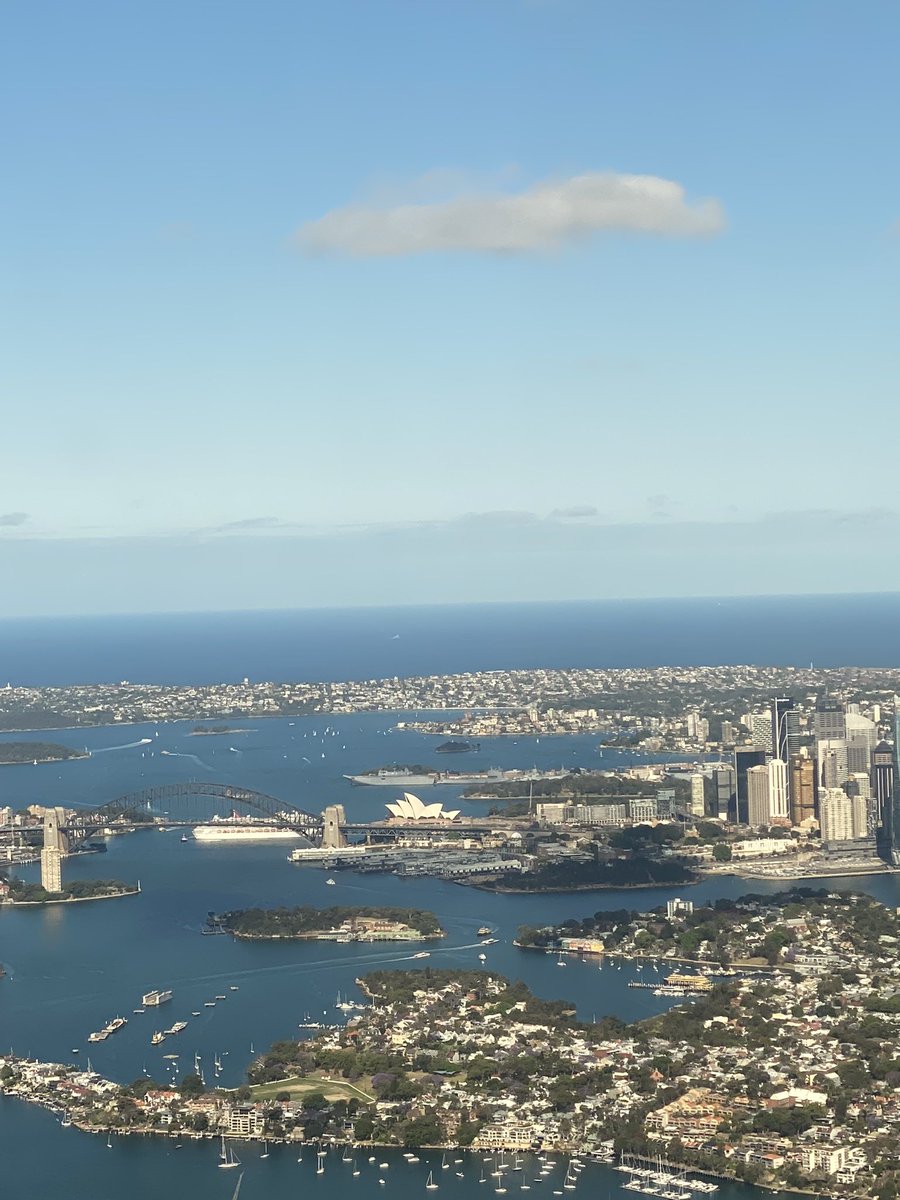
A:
{"x": 369, "y": 643}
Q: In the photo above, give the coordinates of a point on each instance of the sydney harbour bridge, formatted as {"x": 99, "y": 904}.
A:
{"x": 67, "y": 830}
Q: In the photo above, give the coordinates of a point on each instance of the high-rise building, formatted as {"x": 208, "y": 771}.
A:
{"x": 802, "y": 788}
{"x": 745, "y": 757}
{"x": 51, "y": 869}
{"x": 828, "y": 721}
{"x": 723, "y": 790}
{"x": 698, "y": 794}
{"x": 883, "y": 789}
{"x": 727, "y": 738}
{"x": 785, "y": 728}
{"x": 761, "y": 730}
{"x": 861, "y": 739}
{"x": 859, "y": 785}
{"x": 778, "y": 788}
{"x": 832, "y": 756}
{"x": 758, "y": 796}
{"x": 836, "y": 816}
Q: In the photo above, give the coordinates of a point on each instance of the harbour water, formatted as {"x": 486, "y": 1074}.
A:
{"x": 72, "y": 968}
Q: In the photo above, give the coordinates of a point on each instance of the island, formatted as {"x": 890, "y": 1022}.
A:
{"x": 784, "y": 1077}
{"x": 215, "y": 730}
{"x": 16, "y": 891}
{"x": 341, "y": 923}
{"x": 456, "y": 746}
{"x": 16, "y": 753}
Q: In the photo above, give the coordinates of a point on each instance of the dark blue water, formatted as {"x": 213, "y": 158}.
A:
{"x": 71, "y": 968}
{"x": 371, "y": 643}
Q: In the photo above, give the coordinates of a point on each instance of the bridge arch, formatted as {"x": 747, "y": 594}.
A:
{"x": 194, "y": 803}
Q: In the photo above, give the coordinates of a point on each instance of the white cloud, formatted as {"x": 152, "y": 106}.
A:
{"x": 542, "y": 217}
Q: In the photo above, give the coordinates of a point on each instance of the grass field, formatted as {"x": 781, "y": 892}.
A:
{"x": 302, "y": 1085}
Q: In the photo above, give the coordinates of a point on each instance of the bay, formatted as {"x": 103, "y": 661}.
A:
{"x": 71, "y": 968}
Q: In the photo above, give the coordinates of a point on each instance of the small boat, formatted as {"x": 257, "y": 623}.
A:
{"x": 66, "y": 1121}
{"x": 330, "y": 883}
{"x": 355, "y": 1168}
{"x": 430, "y": 1185}
{"x": 482, "y": 957}
{"x": 185, "y": 838}
{"x": 383, "y": 1166}
{"x": 109, "y": 1141}
{"x": 195, "y": 1014}
{"x": 265, "y": 1150}
{"x": 561, "y": 963}
{"x": 233, "y": 987}
{"x": 423, "y": 954}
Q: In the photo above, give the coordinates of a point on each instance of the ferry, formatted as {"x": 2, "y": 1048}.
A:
{"x": 485, "y": 931}
{"x": 157, "y": 1037}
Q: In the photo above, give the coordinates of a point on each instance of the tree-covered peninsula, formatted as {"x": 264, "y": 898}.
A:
{"x": 21, "y": 892}
{"x": 12, "y": 753}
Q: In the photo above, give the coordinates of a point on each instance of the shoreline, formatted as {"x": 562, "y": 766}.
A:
{"x": 575, "y": 887}
{"x": 558, "y": 1148}
{"x": 40, "y": 762}
{"x": 136, "y": 891}
{"x": 327, "y": 936}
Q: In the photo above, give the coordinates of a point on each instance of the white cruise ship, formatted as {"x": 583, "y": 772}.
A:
{"x": 243, "y": 829}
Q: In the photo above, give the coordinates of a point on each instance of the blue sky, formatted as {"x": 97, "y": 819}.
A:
{"x": 560, "y": 297}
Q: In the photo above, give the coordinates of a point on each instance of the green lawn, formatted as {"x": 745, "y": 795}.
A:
{"x": 301, "y": 1085}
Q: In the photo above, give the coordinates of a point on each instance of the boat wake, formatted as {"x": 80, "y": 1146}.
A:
{"x": 192, "y": 757}
{"x": 124, "y": 746}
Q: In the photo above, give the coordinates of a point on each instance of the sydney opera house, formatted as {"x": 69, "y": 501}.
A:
{"x": 411, "y": 808}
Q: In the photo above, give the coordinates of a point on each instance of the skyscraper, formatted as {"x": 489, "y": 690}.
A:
{"x": 836, "y": 816}
{"x": 745, "y": 757}
{"x": 785, "y": 728}
{"x": 828, "y": 721}
{"x": 832, "y": 758}
{"x": 698, "y": 794}
{"x": 803, "y": 788}
{"x": 895, "y": 789}
{"x": 758, "y": 796}
{"x": 778, "y": 788}
{"x": 861, "y": 739}
{"x": 883, "y": 791}
{"x": 723, "y": 790}
{"x": 761, "y": 730}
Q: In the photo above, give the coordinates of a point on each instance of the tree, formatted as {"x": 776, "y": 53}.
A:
{"x": 191, "y": 1085}
{"x": 721, "y": 852}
